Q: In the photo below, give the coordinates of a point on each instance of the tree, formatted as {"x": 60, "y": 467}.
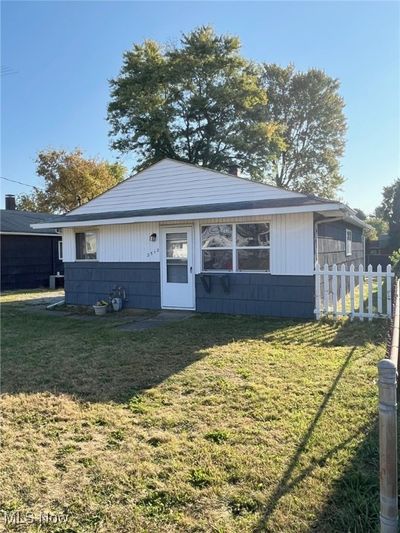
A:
{"x": 378, "y": 227}
{"x": 389, "y": 210}
{"x": 199, "y": 102}
{"x": 360, "y": 214}
{"x": 69, "y": 180}
{"x": 310, "y": 108}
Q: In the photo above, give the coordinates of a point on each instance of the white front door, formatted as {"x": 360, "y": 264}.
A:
{"x": 177, "y": 273}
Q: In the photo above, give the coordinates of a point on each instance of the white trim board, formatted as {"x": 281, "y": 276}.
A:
{"x": 193, "y": 216}
{"x": 30, "y": 234}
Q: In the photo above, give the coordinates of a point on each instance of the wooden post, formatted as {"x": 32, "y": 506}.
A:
{"x": 343, "y": 288}
{"x": 361, "y": 291}
{"x": 326, "y": 289}
{"x": 389, "y": 291}
{"x": 317, "y": 291}
{"x": 388, "y": 445}
{"x": 379, "y": 279}
{"x": 387, "y": 382}
{"x": 352, "y": 276}
{"x": 334, "y": 290}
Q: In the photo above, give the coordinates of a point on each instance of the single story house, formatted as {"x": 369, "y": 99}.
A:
{"x": 28, "y": 256}
{"x": 179, "y": 236}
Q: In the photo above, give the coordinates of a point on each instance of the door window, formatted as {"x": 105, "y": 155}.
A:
{"x": 177, "y": 257}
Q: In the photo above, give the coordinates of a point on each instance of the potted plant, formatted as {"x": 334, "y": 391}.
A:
{"x": 100, "y": 308}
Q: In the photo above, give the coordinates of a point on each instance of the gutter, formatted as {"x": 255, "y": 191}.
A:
{"x": 188, "y": 216}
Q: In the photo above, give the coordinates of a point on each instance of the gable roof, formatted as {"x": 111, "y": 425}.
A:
{"x": 170, "y": 190}
{"x": 190, "y": 209}
{"x": 171, "y": 183}
{"x": 13, "y": 221}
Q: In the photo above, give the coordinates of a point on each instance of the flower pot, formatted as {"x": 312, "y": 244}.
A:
{"x": 117, "y": 304}
{"x": 100, "y": 310}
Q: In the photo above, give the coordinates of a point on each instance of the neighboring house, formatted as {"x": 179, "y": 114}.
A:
{"x": 178, "y": 236}
{"x": 378, "y": 252}
{"x": 28, "y": 256}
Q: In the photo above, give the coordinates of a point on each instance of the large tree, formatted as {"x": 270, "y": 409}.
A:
{"x": 199, "y": 101}
{"x": 310, "y": 108}
{"x": 389, "y": 210}
{"x": 69, "y": 180}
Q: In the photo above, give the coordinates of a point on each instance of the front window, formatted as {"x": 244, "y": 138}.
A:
{"x": 86, "y": 245}
{"x": 60, "y": 250}
{"x": 252, "y": 247}
{"x": 349, "y": 238}
{"x": 217, "y": 247}
{"x": 236, "y": 247}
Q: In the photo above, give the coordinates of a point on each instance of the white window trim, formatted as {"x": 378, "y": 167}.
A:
{"x": 234, "y": 248}
{"x": 60, "y": 250}
{"x": 349, "y": 242}
{"x": 96, "y": 232}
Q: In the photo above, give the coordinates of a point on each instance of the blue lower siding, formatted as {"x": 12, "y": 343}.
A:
{"x": 87, "y": 282}
{"x": 242, "y": 294}
{"x": 256, "y": 294}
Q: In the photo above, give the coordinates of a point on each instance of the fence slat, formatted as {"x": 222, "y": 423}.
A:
{"x": 361, "y": 292}
{"x": 389, "y": 291}
{"x": 326, "y": 288}
{"x": 379, "y": 280}
{"x": 334, "y": 290}
{"x": 330, "y": 298}
{"x": 343, "y": 288}
{"x": 352, "y": 276}
{"x": 317, "y": 292}
{"x": 369, "y": 278}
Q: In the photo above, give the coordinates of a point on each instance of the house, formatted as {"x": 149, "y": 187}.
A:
{"x": 378, "y": 251}
{"x": 178, "y": 236}
{"x": 28, "y": 256}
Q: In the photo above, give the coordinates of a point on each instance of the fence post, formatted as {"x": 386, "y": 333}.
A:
{"x": 343, "y": 289}
{"x": 334, "y": 290}
{"x": 388, "y": 445}
{"x": 379, "y": 279}
{"x": 361, "y": 291}
{"x": 317, "y": 291}
{"x": 352, "y": 303}
{"x": 389, "y": 291}
{"x": 326, "y": 289}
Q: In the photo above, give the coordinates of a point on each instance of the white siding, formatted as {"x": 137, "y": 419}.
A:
{"x": 171, "y": 183}
{"x": 119, "y": 243}
{"x": 292, "y": 244}
{"x": 129, "y": 242}
{"x": 68, "y": 239}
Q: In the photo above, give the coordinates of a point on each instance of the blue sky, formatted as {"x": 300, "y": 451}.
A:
{"x": 62, "y": 55}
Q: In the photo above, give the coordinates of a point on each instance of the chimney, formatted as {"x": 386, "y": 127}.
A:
{"x": 234, "y": 170}
{"x": 10, "y": 202}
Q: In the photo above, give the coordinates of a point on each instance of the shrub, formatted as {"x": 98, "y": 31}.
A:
{"x": 395, "y": 261}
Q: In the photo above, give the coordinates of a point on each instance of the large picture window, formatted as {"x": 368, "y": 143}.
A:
{"x": 86, "y": 246}
{"x": 236, "y": 247}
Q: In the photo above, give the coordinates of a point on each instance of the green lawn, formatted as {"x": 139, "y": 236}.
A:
{"x": 216, "y": 423}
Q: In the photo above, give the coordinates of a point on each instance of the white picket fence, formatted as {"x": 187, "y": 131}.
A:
{"x": 354, "y": 293}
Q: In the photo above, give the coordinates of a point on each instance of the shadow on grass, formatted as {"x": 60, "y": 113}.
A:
{"x": 353, "y": 504}
{"x": 97, "y": 363}
{"x": 348, "y": 508}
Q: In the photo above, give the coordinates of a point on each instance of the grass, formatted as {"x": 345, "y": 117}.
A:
{"x": 217, "y": 423}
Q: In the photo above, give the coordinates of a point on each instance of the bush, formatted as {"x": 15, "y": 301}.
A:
{"x": 395, "y": 261}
